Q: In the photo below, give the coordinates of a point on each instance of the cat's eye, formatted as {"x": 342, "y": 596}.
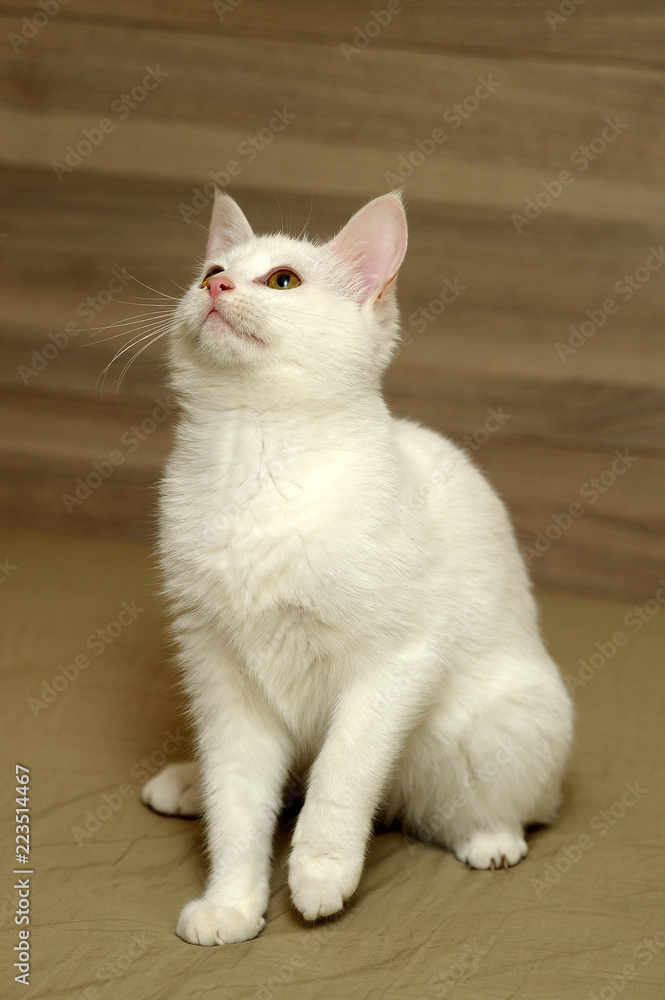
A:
{"x": 283, "y": 278}
{"x": 209, "y": 274}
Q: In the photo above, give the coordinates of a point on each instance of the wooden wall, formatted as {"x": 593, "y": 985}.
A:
{"x": 537, "y": 90}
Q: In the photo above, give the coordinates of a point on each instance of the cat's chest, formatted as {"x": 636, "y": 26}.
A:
{"x": 282, "y": 547}
{"x": 244, "y": 526}
{"x": 245, "y": 552}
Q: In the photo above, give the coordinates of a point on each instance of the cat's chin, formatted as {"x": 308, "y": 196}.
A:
{"x": 216, "y": 326}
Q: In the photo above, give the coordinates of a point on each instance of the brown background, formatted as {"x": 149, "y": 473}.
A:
{"x": 356, "y": 114}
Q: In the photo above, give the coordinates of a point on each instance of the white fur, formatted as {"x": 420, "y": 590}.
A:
{"x": 348, "y": 597}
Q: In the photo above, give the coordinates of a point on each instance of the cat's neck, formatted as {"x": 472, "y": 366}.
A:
{"x": 282, "y": 456}
{"x": 362, "y": 421}
{"x": 293, "y": 388}
{"x": 325, "y": 410}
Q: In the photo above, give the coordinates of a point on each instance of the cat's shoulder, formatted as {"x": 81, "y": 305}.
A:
{"x": 424, "y": 443}
{"x": 444, "y": 470}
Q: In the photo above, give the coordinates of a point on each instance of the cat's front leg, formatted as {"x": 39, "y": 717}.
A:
{"x": 346, "y": 784}
{"x": 244, "y": 759}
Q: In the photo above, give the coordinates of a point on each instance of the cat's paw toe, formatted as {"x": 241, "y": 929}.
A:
{"x": 174, "y": 791}
{"x": 321, "y": 882}
{"x": 491, "y": 849}
{"x": 207, "y": 923}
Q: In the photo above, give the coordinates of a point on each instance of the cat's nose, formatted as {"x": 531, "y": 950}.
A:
{"x": 219, "y": 283}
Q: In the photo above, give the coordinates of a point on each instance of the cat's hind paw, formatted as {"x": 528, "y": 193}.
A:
{"x": 491, "y": 849}
{"x": 174, "y": 791}
{"x": 207, "y": 923}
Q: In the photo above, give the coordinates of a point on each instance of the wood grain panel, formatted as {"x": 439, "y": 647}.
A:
{"x": 493, "y": 349}
{"x": 594, "y": 31}
{"x": 615, "y": 546}
{"x": 390, "y": 99}
{"x": 520, "y": 298}
{"x": 48, "y": 446}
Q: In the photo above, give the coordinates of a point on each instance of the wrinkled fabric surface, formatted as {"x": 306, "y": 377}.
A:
{"x": 92, "y": 707}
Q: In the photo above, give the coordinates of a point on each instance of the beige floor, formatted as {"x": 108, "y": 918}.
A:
{"x": 581, "y": 917}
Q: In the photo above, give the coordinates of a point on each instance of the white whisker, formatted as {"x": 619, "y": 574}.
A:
{"x": 133, "y": 359}
{"x": 125, "y": 326}
{"x": 164, "y": 295}
{"x": 188, "y": 222}
{"x": 152, "y": 338}
{"x": 309, "y": 216}
{"x": 133, "y": 343}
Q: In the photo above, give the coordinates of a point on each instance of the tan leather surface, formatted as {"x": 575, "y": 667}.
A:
{"x": 581, "y": 917}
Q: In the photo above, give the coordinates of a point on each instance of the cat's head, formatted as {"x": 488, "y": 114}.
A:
{"x": 289, "y": 314}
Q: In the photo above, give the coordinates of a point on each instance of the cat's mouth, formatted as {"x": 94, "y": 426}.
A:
{"x": 222, "y": 323}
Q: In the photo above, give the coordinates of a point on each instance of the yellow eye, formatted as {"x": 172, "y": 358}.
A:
{"x": 213, "y": 270}
{"x": 284, "y": 278}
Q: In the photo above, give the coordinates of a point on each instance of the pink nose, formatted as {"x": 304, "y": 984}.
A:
{"x": 219, "y": 283}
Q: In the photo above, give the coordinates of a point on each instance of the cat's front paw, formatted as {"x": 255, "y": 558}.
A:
{"x": 205, "y": 922}
{"x": 174, "y": 791}
{"x": 321, "y": 880}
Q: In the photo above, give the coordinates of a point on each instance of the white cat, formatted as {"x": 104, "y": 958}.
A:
{"x": 347, "y": 592}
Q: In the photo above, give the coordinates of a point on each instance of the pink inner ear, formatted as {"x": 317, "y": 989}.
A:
{"x": 374, "y": 242}
{"x": 228, "y": 227}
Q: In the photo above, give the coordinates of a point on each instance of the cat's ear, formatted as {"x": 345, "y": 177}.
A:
{"x": 373, "y": 242}
{"x": 228, "y": 227}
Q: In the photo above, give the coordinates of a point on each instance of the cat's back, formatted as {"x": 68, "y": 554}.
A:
{"x": 467, "y": 518}
{"x": 446, "y": 475}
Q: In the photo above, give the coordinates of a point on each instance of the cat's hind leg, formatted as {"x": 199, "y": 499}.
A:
{"x": 473, "y": 777}
{"x": 175, "y": 791}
